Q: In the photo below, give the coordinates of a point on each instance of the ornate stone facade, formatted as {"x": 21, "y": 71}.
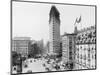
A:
{"x": 85, "y": 54}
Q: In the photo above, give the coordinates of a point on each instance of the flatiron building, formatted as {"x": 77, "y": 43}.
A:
{"x": 54, "y": 31}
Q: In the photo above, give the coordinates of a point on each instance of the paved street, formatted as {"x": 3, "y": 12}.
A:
{"x": 41, "y": 65}
{"x": 33, "y": 65}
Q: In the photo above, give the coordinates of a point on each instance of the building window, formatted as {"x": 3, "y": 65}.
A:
{"x": 70, "y": 57}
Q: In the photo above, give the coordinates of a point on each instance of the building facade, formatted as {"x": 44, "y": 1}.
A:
{"x": 68, "y": 48}
{"x": 85, "y": 54}
{"x": 40, "y": 45}
{"x": 54, "y": 31}
{"x": 21, "y": 45}
{"x": 46, "y": 48}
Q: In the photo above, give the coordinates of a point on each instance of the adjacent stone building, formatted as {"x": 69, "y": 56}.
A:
{"x": 85, "y": 54}
{"x": 68, "y": 48}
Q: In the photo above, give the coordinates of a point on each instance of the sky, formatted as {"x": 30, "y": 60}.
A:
{"x": 32, "y": 19}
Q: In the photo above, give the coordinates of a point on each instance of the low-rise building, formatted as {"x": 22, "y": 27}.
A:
{"x": 21, "y": 45}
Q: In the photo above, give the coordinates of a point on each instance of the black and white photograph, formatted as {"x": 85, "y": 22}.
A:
{"x": 52, "y": 37}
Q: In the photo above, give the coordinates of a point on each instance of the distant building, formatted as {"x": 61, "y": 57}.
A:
{"x": 21, "y": 45}
{"x": 31, "y": 52}
{"x": 46, "y": 48}
{"x": 85, "y": 54}
{"x": 68, "y": 48}
{"x": 40, "y": 45}
{"x": 54, "y": 31}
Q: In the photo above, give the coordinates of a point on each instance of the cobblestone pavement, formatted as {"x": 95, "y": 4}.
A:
{"x": 42, "y": 65}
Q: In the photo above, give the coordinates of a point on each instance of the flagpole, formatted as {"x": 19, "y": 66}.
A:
{"x": 81, "y": 22}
